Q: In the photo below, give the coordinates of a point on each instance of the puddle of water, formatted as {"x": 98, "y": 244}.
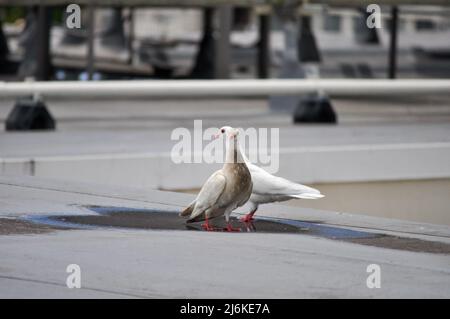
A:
{"x": 131, "y": 218}
{"x": 120, "y": 217}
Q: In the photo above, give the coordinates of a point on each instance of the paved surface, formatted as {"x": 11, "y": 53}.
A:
{"x": 190, "y": 264}
{"x": 128, "y": 142}
{"x": 118, "y": 126}
{"x": 115, "y": 141}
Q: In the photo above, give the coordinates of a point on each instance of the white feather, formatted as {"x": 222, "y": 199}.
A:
{"x": 275, "y": 187}
{"x": 265, "y": 183}
{"x": 268, "y": 188}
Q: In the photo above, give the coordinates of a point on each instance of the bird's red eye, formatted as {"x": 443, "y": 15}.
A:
{"x": 222, "y": 130}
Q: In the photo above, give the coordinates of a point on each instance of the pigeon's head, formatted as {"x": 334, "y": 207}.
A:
{"x": 228, "y": 131}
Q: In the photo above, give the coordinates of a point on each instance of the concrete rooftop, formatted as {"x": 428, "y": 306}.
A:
{"x": 104, "y": 154}
{"x": 136, "y": 263}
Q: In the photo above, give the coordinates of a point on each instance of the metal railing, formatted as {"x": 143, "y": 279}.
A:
{"x": 225, "y": 88}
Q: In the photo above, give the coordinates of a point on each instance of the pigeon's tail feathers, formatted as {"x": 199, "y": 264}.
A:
{"x": 308, "y": 196}
{"x": 188, "y": 210}
{"x": 197, "y": 218}
{"x": 300, "y": 189}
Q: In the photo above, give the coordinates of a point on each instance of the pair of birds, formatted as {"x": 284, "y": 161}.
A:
{"x": 237, "y": 183}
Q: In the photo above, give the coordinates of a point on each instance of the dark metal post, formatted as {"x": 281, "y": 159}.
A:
{"x": 43, "y": 49}
{"x": 32, "y": 113}
{"x": 307, "y": 46}
{"x": 130, "y": 35}
{"x": 204, "y": 61}
{"x": 90, "y": 55}
{"x": 4, "y": 50}
{"x": 263, "y": 63}
{"x": 393, "y": 45}
{"x": 222, "y": 59}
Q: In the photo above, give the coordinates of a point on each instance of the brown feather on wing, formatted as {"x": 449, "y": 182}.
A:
{"x": 208, "y": 195}
{"x": 188, "y": 210}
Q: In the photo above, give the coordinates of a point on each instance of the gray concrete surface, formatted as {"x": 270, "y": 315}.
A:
{"x": 112, "y": 142}
{"x": 129, "y": 263}
{"x": 391, "y": 149}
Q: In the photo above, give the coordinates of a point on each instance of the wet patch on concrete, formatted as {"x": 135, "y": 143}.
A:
{"x": 405, "y": 243}
{"x": 119, "y": 217}
{"x": 9, "y": 226}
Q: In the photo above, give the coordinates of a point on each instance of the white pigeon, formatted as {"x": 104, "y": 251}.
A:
{"x": 268, "y": 188}
{"x": 225, "y": 190}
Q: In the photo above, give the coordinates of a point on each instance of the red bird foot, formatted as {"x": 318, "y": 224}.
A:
{"x": 206, "y": 226}
{"x": 247, "y": 218}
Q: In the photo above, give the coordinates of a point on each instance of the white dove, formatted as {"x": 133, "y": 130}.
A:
{"x": 268, "y": 188}
{"x": 225, "y": 190}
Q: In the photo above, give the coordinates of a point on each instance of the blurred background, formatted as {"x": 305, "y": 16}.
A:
{"x": 375, "y": 155}
{"x": 165, "y": 42}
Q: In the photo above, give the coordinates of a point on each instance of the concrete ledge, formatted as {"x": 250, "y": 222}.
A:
{"x": 314, "y": 164}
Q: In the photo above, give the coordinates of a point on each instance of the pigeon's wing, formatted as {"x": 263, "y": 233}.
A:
{"x": 246, "y": 198}
{"x": 209, "y": 194}
{"x": 188, "y": 210}
{"x": 268, "y": 184}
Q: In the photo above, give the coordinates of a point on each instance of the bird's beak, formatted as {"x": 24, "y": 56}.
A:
{"x": 215, "y": 137}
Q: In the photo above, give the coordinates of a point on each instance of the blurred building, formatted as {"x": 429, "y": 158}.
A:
{"x": 169, "y": 39}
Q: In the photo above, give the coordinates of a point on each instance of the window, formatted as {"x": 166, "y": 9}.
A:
{"x": 401, "y": 24}
{"x": 425, "y": 25}
{"x": 359, "y": 23}
{"x": 332, "y": 22}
